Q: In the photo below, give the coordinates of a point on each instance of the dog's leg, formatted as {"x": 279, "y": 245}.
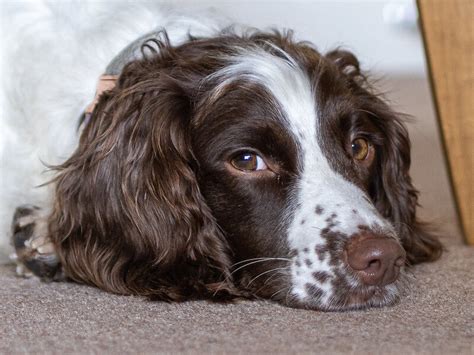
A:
{"x": 34, "y": 252}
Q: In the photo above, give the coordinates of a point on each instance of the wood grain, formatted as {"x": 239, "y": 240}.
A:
{"x": 448, "y": 32}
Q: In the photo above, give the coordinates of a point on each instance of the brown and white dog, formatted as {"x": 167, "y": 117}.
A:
{"x": 237, "y": 164}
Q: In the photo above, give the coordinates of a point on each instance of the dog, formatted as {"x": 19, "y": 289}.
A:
{"x": 219, "y": 165}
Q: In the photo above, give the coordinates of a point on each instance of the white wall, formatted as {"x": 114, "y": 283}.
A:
{"x": 358, "y": 25}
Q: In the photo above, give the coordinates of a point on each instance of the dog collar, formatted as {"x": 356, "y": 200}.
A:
{"x": 106, "y": 82}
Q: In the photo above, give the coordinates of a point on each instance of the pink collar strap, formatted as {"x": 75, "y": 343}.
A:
{"x": 105, "y": 83}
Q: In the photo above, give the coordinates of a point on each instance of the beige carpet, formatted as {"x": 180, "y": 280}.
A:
{"x": 436, "y": 315}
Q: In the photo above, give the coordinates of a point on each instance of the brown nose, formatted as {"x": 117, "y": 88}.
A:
{"x": 377, "y": 260}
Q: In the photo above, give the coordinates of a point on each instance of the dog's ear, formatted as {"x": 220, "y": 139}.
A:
{"x": 128, "y": 215}
{"x": 391, "y": 190}
{"x": 394, "y": 194}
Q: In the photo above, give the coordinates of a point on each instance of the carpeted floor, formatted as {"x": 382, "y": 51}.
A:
{"x": 436, "y": 315}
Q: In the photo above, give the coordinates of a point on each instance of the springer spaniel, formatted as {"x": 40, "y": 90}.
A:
{"x": 233, "y": 165}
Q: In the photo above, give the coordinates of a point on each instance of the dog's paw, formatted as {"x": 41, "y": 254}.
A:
{"x": 34, "y": 252}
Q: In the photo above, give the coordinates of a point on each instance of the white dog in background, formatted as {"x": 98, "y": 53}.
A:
{"x": 52, "y": 56}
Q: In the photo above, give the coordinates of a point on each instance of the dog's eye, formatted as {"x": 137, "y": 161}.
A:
{"x": 248, "y": 161}
{"x": 360, "y": 148}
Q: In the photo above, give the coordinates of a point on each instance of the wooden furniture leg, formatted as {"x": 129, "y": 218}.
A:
{"x": 448, "y": 33}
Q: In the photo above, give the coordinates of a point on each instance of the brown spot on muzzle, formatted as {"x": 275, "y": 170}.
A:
{"x": 321, "y": 276}
{"x": 319, "y": 210}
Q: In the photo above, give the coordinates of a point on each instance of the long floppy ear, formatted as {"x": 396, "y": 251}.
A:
{"x": 394, "y": 194}
{"x": 391, "y": 190}
{"x": 128, "y": 215}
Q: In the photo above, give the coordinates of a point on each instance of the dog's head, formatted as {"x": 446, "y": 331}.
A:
{"x": 242, "y": 165}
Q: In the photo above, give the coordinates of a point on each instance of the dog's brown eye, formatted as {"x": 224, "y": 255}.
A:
{"x": 360, "y": 148}
{"x": 248, "y": 161}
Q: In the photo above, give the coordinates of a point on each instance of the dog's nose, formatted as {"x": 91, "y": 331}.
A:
{"x": 376, "y": 259}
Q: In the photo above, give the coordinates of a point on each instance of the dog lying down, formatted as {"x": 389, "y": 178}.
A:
{"x": 230, "y": 164}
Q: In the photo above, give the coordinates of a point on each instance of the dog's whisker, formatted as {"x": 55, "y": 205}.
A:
{"x": 262, "y": 258}
{"x": 258, "y": 261}
{"x": 250, "y": 261}
{"x": 264, "y": 273}
{"x": 277, "y": 292}
{"x": 285, "y": 271}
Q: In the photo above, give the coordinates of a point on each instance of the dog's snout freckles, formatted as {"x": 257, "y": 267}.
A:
{"x": 333, "y": 238}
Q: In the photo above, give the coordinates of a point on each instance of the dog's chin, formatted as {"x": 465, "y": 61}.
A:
{"x": 353, "y": 296}
{"x": 365, "y": 297}
{"x": 358, "y": 298}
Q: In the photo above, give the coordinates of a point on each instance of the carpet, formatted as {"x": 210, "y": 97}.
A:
{"x": 435, "y": 316}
